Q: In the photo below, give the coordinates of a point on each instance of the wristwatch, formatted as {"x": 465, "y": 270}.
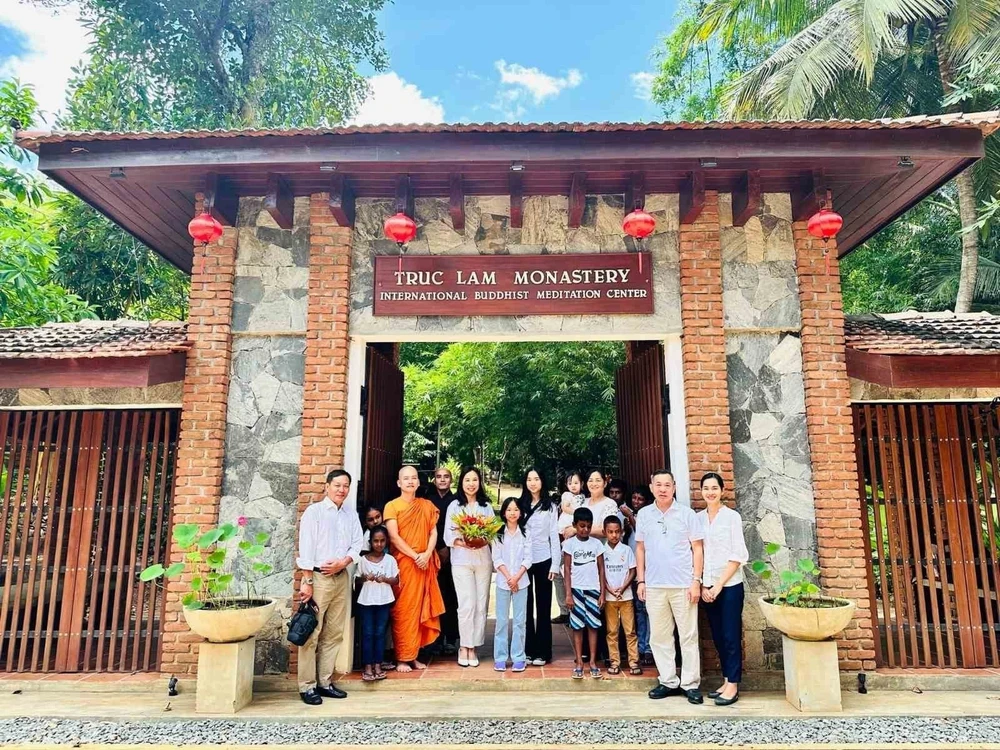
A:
{"x": 307, "y": 581}
{"x": 698, "y": 579}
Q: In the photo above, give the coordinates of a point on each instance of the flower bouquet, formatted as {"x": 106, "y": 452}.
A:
{"x": 477, "y": 531}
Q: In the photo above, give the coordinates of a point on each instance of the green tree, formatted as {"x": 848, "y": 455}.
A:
{"x": 869, "y": 58}
{"x": 28, "y": 293}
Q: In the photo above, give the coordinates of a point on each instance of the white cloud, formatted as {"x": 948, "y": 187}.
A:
{"x": 55, "y": 41}
{"x": 539, "y": 85}
{"x": 642, "y": 85}
{"x": 393, "y": 100}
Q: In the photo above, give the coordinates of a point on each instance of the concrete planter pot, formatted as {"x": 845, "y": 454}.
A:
{"x": 230, "y": 625}
{"x": 808, "y": 623}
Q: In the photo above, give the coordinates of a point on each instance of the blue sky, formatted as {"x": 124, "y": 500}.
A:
{"x": 527, "y": 60}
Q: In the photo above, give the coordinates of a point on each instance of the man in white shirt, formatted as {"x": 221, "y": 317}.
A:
{"x": 669, "y": 563}
{"x": 330, "y": 541}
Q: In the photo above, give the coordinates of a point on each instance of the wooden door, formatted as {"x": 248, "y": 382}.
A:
{"x": 641, "y": 408}
{"x": 382, "y": 406}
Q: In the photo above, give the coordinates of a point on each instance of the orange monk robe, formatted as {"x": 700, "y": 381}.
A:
{"x": 415, "y": 616}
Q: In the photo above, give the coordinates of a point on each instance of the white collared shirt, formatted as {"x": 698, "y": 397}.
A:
{"x": 328, "y": 533}
{"x": 667, "y": 539}
{"x": 724, "y": 543}
{"x": 463, "y": 556}
{"x": 543, "y": 530}
{"x": 514, "y": 552}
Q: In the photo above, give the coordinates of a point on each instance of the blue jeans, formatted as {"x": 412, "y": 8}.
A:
{"x": 641, "y": 624}
{"x": 520, "y": 602}
{"x": 374, "y": 621}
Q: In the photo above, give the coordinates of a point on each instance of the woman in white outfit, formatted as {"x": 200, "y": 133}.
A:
{"x": 471, "y": 569}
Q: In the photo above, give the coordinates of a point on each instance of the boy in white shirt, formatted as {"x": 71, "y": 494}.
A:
{"x": 619, "y": 571}
{"x": 583, "y": 569}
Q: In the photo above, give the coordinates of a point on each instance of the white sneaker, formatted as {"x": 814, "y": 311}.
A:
{"x": 538, "y": 662}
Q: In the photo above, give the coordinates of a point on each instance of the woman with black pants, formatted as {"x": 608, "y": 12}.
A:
{"x": 543, "y": 532}
{"x": 722, "y": 586}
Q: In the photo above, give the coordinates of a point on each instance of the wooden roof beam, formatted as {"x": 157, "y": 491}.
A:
{"x": 516, "y": 200}
{"x": 809, "y": 198}
{"x": 635, "y": 193}
{"x": 404, "y": 196}
{"x": 342, "y": 200}
{"x": 221, "y": 201}
{"x": 456, "y": 202}
{"x": 577, "y": 199}
{"x": 746, "y": 198}
{"x": 692, "y": 197}
{"x": 279, "y": 202}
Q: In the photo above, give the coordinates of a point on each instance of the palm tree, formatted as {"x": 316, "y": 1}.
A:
{"x": 874, "y": 58}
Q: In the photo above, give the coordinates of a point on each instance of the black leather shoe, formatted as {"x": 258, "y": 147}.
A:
{"x": 331, "y": 692}
{"x": 310, "y": 697}
{"x": 727, "y": 701}
{"x": 694, "y": 696}
{"x": 662, "y": 691}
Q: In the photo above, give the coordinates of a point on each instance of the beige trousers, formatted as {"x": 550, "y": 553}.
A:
{"x": 667, "y": 607}
{"x": 623, "y": 613}
{"x": 318, "y": 657}
{"x": 472, "y": 588}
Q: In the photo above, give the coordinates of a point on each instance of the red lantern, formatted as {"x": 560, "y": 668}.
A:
{"x": 639, "y": 224}
{"x": 204, "y": 228}
{"x": 400, "y": 228}
{"x": 825, "y": 224}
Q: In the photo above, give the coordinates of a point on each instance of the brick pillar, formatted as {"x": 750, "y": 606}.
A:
{"x": 201, "y": 443}
{"x": 842, "y": 546}
{"x": 703, "y": 347}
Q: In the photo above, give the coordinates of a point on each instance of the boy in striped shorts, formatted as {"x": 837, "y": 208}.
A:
{"x": 583, "y": 569}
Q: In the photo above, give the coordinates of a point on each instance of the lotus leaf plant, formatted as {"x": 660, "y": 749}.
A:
{"x": 793, "y": 587}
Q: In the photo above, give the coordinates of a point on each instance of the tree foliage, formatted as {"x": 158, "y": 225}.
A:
{"x": 28, "y": 293}
{"x": 506, "y": 405}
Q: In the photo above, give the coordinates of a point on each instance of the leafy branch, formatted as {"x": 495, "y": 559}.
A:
{"x": 793, "y": 587}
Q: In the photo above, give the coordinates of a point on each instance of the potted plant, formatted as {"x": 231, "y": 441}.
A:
{"x": 222, "y": 604}
{"x": 477, "y": 531}
{"x": 797, "y": 607}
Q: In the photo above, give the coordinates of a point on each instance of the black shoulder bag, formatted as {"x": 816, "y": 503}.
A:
{"x": 303, "y": 623}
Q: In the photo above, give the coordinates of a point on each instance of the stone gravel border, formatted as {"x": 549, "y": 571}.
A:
{"x": 902, "y": 730}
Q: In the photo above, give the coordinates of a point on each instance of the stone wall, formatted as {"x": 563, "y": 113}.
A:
{"x": 772, "y": 472}
{"x": 862, "y": 390}
{"x": 264, "y": 415}
{"x": 544, "y": 231}
{"x": 164, "y": 394}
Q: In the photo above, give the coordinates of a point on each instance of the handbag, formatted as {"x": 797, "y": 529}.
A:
{"x": 303, "y": 623}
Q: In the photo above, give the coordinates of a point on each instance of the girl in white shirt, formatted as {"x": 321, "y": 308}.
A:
{"x": 379, "y": 573}
{"x": 541, "y": 521}
{"x": 471, "y": 569}
{"x": 722, "y": 584}
{"x": 511, "y": 560}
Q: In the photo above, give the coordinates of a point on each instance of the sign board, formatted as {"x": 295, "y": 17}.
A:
{"x": 593, "y": 284}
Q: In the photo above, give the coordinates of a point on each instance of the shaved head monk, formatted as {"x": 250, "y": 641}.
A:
{"x": 412, "y": 525}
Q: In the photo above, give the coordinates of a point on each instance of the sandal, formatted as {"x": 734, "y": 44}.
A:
{"x": 380, "y": 675}
{"x": 578, "y": 673}
{"x": 595, "y": 673}
{"x": 635, "y": 670}
{"x": 367, "y": 677}
{"x": 614, "y": 669}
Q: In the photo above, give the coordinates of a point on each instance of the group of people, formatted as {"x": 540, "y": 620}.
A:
{"x": 619, "y": 561}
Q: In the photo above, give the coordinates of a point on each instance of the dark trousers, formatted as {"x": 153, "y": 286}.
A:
{"x": 538, "y": 641}
{"x": 374, "y": 622}
{"x": 449, "y": 620}
{"x": 725, "y": 618}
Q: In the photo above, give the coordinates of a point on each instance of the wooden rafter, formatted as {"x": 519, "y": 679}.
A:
{"x": 279, "y": 202}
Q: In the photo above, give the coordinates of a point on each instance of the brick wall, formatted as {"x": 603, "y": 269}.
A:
{"x": 202, "y": 437}
{"x": 840, "y": 537}
{"x": 703, "y": 347}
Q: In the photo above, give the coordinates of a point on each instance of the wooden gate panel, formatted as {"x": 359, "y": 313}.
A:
{"x": 927, "y": 475}
{"x": 383, "y": 452}
{"x": 642, "y": 438}
{"x": 69, "y": 523}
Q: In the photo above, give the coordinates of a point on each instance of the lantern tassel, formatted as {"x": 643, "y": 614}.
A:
{"x": 640, "y": 260}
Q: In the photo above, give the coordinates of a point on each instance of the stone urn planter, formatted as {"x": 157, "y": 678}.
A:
{"x": 230, "y": 625}
{"x": 809, "y": 623}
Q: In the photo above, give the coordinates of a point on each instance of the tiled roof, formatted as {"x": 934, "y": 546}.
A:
{"x": 984, "y": 121}
{"x": 924, "y": 333}
{"x": 94, "y": 338}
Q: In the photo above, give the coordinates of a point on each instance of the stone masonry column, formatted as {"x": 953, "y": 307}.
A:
{"x": 201, "y": 442}
{"x": 324, "y": 407}
{"x": 842, "y": 546}
{"x": 703, "y": 346}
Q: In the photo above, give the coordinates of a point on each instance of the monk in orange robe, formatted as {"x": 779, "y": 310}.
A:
{"x": 412, "y": 525}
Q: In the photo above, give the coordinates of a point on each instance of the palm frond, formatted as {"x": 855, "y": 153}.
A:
{"x": 969, "y": 21}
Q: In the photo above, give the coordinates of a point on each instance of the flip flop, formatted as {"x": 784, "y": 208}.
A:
{"x": 595, "y": 673}
{"x": 578, "y": 673}
{"x": 614, "y": 669}
{"x": 635, "y": 670}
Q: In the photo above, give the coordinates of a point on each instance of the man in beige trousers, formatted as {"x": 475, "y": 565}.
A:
{"x": 670, "y": 558}
{"x": 330, "y": 540}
